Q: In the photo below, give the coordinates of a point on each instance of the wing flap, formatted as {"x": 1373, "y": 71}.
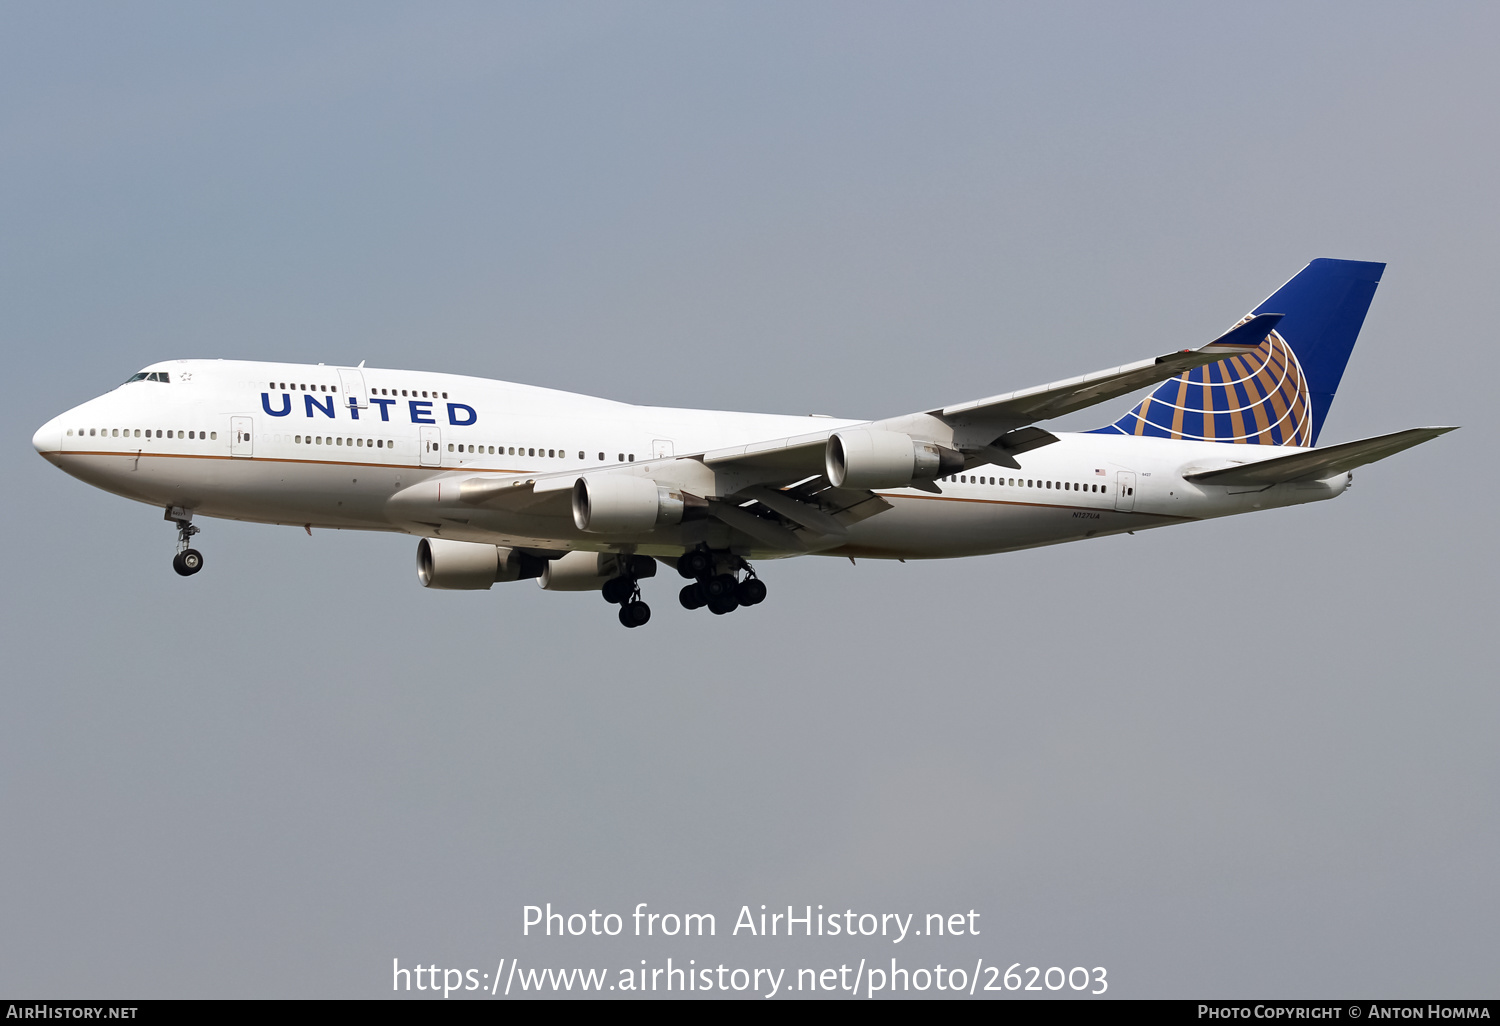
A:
{"x": 1316, "y": 464}
{"x": 798, "y": 512}
{"x": 762, "y": 530}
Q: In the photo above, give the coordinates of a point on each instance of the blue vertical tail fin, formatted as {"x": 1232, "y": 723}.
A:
{"x": 1279, "y": 394}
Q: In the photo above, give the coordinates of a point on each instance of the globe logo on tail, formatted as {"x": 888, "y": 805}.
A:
{"x": 1258, "y": 398}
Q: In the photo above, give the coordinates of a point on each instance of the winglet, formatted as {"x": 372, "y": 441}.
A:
{"x": 1246, "y": 337}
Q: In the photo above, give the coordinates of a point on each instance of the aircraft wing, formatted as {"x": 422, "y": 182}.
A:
{"x": 1012, "y": 410}
{"x": 997, "y": 428}
{"x": 1317, "y": 464}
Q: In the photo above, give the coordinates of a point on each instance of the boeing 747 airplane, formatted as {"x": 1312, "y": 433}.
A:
{"x": 505, "y": 482}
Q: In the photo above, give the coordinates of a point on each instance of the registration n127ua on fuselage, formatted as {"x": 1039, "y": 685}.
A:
{"x": 507, "y": 482}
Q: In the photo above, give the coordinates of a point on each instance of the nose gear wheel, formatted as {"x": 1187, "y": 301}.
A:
{"x": 188, "y": 560}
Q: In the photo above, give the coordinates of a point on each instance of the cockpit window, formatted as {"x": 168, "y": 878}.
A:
{"x": 136, "y": 377}
{"x": 161, "y": 376}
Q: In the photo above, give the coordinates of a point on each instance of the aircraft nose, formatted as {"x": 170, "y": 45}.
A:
{"x": 48, "y": 437}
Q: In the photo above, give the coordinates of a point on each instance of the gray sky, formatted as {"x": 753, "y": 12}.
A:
{"x": 1242, "y": 758}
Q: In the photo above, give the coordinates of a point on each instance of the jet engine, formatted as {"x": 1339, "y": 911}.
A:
{"x": 469, "y": 566}
{"x": 578, "y": 571}
{"x": 590, "y": 571}
{"x": 871, "y": 458}
{"x": 623, "y": 504}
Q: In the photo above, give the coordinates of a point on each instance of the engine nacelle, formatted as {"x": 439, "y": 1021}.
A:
{"x": 588, "y": 571}
{"x": 623, "y": 504}
{"x": 871, "y": 458}
{"x": 472, "y": 566}
{"x": 579, "y": 571}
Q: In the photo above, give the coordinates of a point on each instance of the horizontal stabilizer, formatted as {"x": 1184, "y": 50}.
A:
{"x": 1317, "y": 464}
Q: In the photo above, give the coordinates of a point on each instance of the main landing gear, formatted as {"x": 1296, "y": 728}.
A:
{"x": 721, "y": 581}
{"x": 625, "y": 590}
{"x": 188, "y": 560}
{"x": 716, "y": 582}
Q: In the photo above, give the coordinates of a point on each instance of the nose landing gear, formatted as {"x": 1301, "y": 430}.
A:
{"x": 722, "y": 592}
{"x": 188, "y": 560}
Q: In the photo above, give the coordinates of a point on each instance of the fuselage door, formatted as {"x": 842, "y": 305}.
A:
{"x": 353, "y": 381}
{"x": 1125, "y": 490}
{"x": 661, "y": 449}
{"x": 432, "y": 447}
{"x": 240, "y": 438}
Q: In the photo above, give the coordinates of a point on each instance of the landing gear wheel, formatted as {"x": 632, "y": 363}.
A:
{"x": 618, "y": 589}
{"x": 697, "y": 563}
{"x": 720, "y": 592}
{"x": 751, "y": 592}
{"x": 187, "y": 562}
{"x": 722, "y": 585}
{"x": 634, "y": 614}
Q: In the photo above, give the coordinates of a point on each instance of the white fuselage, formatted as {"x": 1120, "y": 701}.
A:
{"x": 361, "y": 448}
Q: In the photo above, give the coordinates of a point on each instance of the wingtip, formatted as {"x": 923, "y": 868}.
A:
{"x": 1246, "y": 337}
